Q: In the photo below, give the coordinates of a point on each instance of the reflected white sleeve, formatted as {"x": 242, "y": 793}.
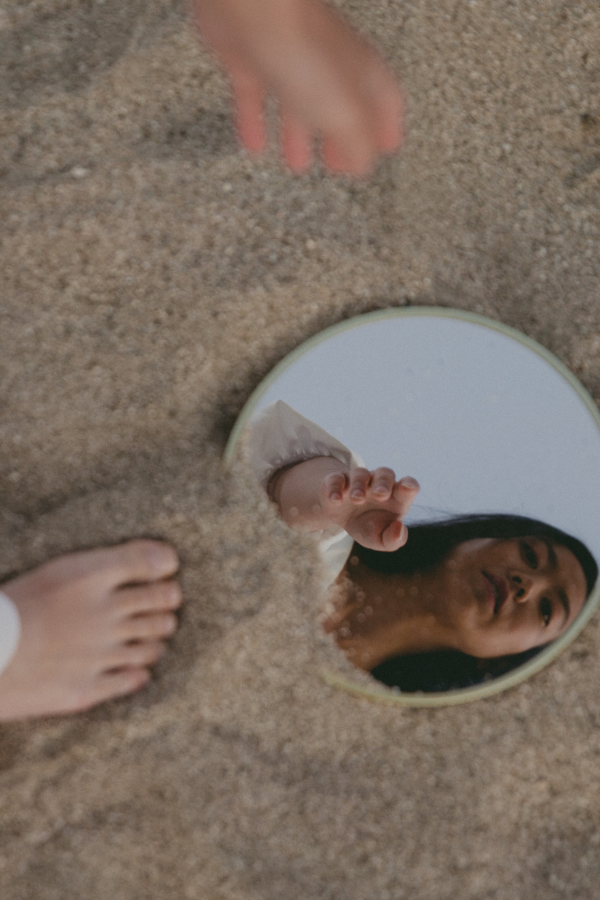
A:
{"x": 279, "y": 437}
{"x": 10, "y": 630}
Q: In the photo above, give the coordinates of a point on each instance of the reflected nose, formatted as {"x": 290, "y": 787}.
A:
{"x": 521, "y": 586}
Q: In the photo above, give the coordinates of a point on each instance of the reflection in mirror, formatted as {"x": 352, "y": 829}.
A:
{"x": 449, "y": 468}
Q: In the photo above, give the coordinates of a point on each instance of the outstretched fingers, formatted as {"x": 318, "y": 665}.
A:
{"x": 394, "y": 536}
{"x": 361, "y": 486}
{"x": 335, "y": 487}
{"x": 383, "y": 481}
{"x": 296, "y": 143}
{"x": 248, "y": 93}
{"x": 355, "y": 149}
{"x": 348, "y": 157}
{"x": 404, "y": 494}
{"x": 380, "y": 486}
{"x": 387, "y": 502}
{"x": 359, "y": 482}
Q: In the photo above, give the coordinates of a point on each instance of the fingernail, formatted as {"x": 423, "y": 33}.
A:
{"x": 335, "y": 496}
{"x": 356, "y": 494}
{"x": 410, "y": 483}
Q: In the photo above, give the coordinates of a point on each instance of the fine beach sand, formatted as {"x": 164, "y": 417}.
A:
{"x": 151, "y": 276}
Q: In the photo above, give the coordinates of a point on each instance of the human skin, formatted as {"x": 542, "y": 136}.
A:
{"x": 92, "y": 624}
{"x": 321, "y": 493}
{"x": 328, "y": 80}
{"x": 488, "y": 598}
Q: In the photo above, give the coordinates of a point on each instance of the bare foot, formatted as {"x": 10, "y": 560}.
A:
{"x": 92, "y": 623}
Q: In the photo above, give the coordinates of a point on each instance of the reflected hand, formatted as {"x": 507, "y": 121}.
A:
{"x": 370, "y": 506}
{"x": 328, "y": 80}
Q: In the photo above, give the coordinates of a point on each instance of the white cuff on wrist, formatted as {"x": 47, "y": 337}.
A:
{"x": 10, "y": 630}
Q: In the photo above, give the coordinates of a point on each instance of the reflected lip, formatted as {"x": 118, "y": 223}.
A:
{"x": 497, "y": 591}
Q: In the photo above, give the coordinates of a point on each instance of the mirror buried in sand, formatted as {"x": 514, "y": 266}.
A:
{"x": 449, "y": 467}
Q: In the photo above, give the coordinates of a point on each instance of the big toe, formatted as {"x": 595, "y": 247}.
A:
{"x": 135, "y": 562}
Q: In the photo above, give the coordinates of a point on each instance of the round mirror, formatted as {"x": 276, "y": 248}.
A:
{"x": 449, "y": 467}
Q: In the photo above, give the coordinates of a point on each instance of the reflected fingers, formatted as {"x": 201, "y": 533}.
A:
{"x": 405, "y": 492}
{"x": 386, "y": 99}
{"x": 359, "y": 481}
{"x": 335, "y": 486}
{"x": 394, "y": 536}
{"x": 383, "y": 481}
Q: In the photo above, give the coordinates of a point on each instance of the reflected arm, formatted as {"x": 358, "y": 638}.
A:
{"x": 318, "y": 484}
{"x": 299, "y": 490}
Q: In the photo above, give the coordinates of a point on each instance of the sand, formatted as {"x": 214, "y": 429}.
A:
{"x": 151, "y": 276}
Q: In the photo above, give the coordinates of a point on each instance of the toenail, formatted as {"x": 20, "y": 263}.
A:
{"x": 162, "y": 557}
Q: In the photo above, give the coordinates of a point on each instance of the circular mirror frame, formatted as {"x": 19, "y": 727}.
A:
{"x": 486, "y": 689}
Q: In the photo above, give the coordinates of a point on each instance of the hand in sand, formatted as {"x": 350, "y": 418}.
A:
{"x": 370, "y": 506}
{"x": 329, "y": 81}
{"x": 92, "y": 623}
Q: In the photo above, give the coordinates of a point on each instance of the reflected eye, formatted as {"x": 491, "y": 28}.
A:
{"x": 529, "y": 555}
{"x": 546, "y": 611}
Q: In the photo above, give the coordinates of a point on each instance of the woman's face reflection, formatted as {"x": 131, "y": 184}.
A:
{"x": 507, "y": 596}
{"x": 475, "y": 575}
{"x": 488, "y": 598}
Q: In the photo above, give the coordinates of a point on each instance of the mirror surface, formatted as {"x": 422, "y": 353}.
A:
{"x": 496, "y": 432}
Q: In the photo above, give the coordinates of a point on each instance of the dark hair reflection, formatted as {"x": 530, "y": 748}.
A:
{"x": 427, "y": 545}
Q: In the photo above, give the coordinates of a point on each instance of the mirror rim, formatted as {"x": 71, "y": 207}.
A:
{"x": 476, "y": 692}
